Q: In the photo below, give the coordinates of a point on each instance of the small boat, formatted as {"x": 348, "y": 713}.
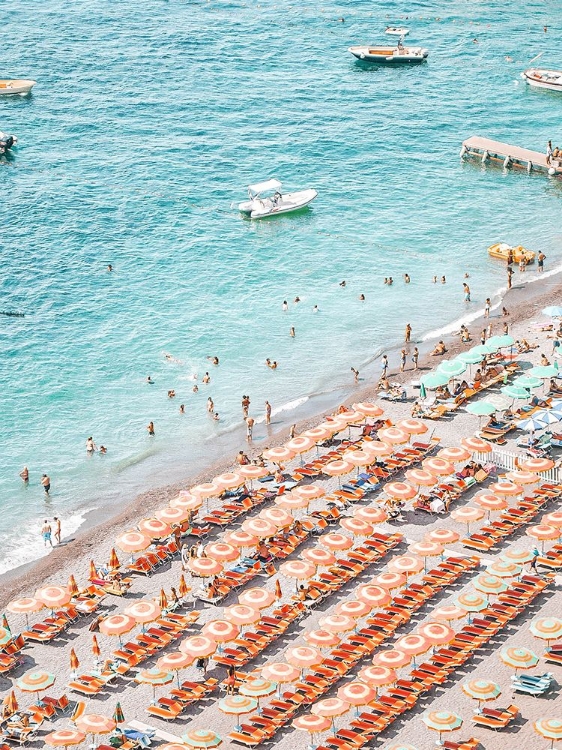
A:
{"x": 15, "y": 86}
{"x": 502, "y": 251}
{"x": 6, "y": 142}
{"x": 261, "y": 205}
{"x": 543, "y": 79}
{"x": 389, "y": 55}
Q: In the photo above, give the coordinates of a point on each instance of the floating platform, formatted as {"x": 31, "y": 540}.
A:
{"x": 510, "y": 156}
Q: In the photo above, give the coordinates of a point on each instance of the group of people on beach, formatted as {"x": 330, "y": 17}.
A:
{"x": 47, "y": 531}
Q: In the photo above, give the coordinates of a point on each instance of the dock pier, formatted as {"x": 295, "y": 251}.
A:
{"x": 486, "y": 150}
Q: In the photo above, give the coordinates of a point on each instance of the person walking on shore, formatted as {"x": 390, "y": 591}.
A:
{"x": 250, "y": 421}
{"x": 541, "y": 259}
{"x": 57, "y": 529}
{"x": 509, "y": 275}
{"x": 46, "y": 482}
{"x": 487, "y": 308}
{"x": 384, "y": 366}
{"x": 408, "y": 333}
{"x": 292, "y": 431}
{"x": 402, "y": 360}
{"x": 355, "y": 374}
{"x": 415, "y": 357}
{"x": 267, "y": 412}
{"x": 46, "y": 533}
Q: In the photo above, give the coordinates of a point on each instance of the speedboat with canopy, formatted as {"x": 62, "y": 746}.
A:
{"x": 388, "y": 54}
{"x": 543, "y": 79}
{"x": 266, "y": 199}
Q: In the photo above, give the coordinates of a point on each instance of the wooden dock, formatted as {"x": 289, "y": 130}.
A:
{"x": 510, "y": 156}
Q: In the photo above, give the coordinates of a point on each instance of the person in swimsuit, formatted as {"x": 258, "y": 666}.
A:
{"x": 150, "y": 428}
{"x": 24, "y": 474}
{"x": 57, "y": 529}
{"x": 46, "y": 482}
{"x": 46, "y": 532}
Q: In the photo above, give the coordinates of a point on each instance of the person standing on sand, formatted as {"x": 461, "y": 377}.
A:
{"x": 46, "y": 482}
{"x": 483, "y": 337}
{"x": 402, "y": 360}
{"x": 150, "y": 428}
{"x": 509, "y": 275}
{"x": 57, "y": 529}
{"x": 415, "y": 357}
{"x": 505, "y": 329}
{"x": 250, "y": 421}
{"x": 267, "y": 412}
{"x": 407, "y": 333}
{"x": 46, "y": 533}
{"x": 292, "y": 431}
{"x": 24, "y": 474}
{"x": 541, "y": 259}
{"x": 245, "y": 406}
{"x": 487, "y": 307}
{"x": 355, "y": 374}
{"x": 384, "y": 366}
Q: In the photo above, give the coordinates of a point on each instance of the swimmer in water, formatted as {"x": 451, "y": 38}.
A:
{"x": 292, "y": 332}
{"x": 315, "y": 309}
{"x": 297, "y": 299}
{"x": 210, "y": 405}
{"x": 342, "y": 283}
{"x": 285, "y": 306}
{"x": 195, "y": 389}
{"x": 216, "y": 416}
{"x": 406, "y": 278}
{"x": 109, "y": 267}
{"x": 362, "y": 298}
{"x": 103, "y": 450}
{"x": 182, "y": 408}
{"x": 171, "y": 394}
{"x": 214, "y": 360}
{"x": 90, "y": 445}
{"x": 149, "y": 380}
{"x": 355, "y": 374}
{"x": 24, "y": 474}
{"x": 150, "y": 428}
{"x": 206, "y": 378}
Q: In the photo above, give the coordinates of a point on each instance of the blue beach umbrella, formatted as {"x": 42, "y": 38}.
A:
{"x": 526, "y": 381}
{"x": 452, "y": 367}
{"x": 516, "y": 392}
{"x": 554, "y": 311}
{"x": 548, "y": 417}
{"x": 531, "y": 424}
{"x": 470, "y": 357}
{"x": 435, "y": 379}
{"x": 544, "y": 371}
{"x": 481, "y": 408}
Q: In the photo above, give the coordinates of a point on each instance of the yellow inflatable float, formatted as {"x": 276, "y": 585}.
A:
{"x": 506, "y": 252}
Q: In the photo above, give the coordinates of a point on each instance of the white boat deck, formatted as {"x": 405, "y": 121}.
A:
{"x": 498, "y": 151}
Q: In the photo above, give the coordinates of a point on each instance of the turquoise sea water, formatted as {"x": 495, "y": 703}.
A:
{"x": 146, "y": 124}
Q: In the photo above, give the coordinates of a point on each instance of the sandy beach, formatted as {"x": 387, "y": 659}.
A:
{"x": 73, "y": 557}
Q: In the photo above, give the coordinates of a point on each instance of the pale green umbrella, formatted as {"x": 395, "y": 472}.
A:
{"x": 452, "y": 367}
{"x": 516, "y": 392}
{"x": 435, "y": 379}
{"x": 483, "y": 349}
{"x": 544, "y": 371}
{"x": 470, "y": 357}
{"x": 554, "y": 311}
{"x": 423, "y": 392}
{"x": 501, "y": 342}
{"x": 526, "y": 381}
{"x": 481, "y": 408}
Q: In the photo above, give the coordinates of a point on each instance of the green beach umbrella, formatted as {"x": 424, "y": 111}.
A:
{"x": 554, "y": 311}
{"x": 527, "y": 381}
{"x": 481, "y": 408}
{"x": 201, "y": 738}
{"x": 423, "y": 392}
{"x": 470, "y": 357}
{"x": 516, "y": 392}
{"x": 501, "y": 342}
{"x": 544, "y": 371}
{"x": 483, "y": 349}
{"x": 451, "y": 367}
{"x": 435, "y": 379}
{"x": 118, "y": 716}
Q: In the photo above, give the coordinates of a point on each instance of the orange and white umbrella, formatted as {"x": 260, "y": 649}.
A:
{"x": 378, "y": 449}
{"x": 318, "y": 556}
{"x": 370, "y": 514}
{"x": 230, "y": 481}
{"x": 421, "y": 477}
{"x": 338, "y": 468}
{"x": 468, "y": 514}
{"x": 406, "y": 564}
{"x": 281, "y": 673}
{"x": 443, "y": 536}
{"x": 359, "y": 458}
{"x": 438, "y": 466}
{"x": 171, "y": 515}
{"x": 413, "y": 644}
{"x": 117, "y": 624}
{"x": 553, "y": 519}
{"x": 221, "y": 631}
{"x": 476, "y": 445}
{"x": 303, "y": 657}
{"x": 373, "y": 595}
{"x": 357, "y": 693}
{"x": 241, "y": 539}
{"x": 290, "y": 501}
{"x": 335, "y": 540}
{"x": 204, "y": 567}
{"x": 143, "y": 611}
{"x": 547, "y": 628}
{"x": 357, "y": 526}
{"x": 400, "y": 490}
{"x": 133, "y": 541}
{"x": 95, "y": 724}
{"x": 504, "y": 569}
{"x": 436, "y": 633}
{"x": 349, "y": 417}
{"x": 281, "y": 453}
{"x": 200, "y": 646}
{"x": 522, "y": 477}
{"x": 490, "y": 502}
{"x": 277, "y": 516}
{"x": 53, "y": 596}
{"x": 25, "y": 606}
{"x": 72, "y": 586}
{"x": 312, "y": 724}
{"x": 257, "y": 598}
{"x": 174, "y": 662}
{"x": 377, "y": 676}
{"x": 309, "y": 491}
{"x": 448, "y": 613}
{"x": 300, "y": 444}
{"x": 318, "y": 434}
{"x": 154, "y": 528}
{"x": 509, "y": 489}
{"x": 207, "y": 490}
{"x": 426, "y": 549}
{"x": 35, "y": 682}
{"x": 354, "y": 608}
{"x": 221, "y": 551}
{"x": 253, "y": 472}
{"x": 300, "y": 570}
{"x": 337, "y": 623}
{"x": 65, "y": 738}
{"x": 389, "y": 581}
{"x": 392, "y": 658}
{"x": 153, "y": 677}
{"x": 321, "y": 638}
{"x": 412, "y": 426}
{"x": 330, "y": 708}
{"x": 393, "y": 435}
{"x": 241, "y": 614}
{"x": 536, "y": 464}
{"x": 186, "y": 501}
{"x": 368, "y": 409}
{"x": 259, "y": 527}
{"x": 454, "y": 454}
{"x": 543, "y": 532}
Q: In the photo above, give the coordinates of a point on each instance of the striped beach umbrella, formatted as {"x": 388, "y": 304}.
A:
{"x": 53, "y": 596}
{"x": 250, "y": 471}
{"x": 448, "y": 613}
{"x": 204, "y": 567}
{"x": 259, "y": 527}
{"x": 547, "y": 628}
{"x": 354, "y": 608}
{"x": 330, "y": 708}
{"x": 553, "y": 519}
{"x": 186, "y": 501}
{"x": 412, "y": 426}
{"x": 25, "y": 606}
{"x": 551, "y": 729}
{"x": 35, "y": 682}
{"x": 241, "y": 614}
{"x": 373, "y": 595}
{"x": 64, "y": 738}
{"x": 281, "y": 673}
{"x": 371, "y": 514}
{"x": 216, "y": 631}
{"x": 392, "y": 658}
{"x": 154, "y": 528}
{"x": 543, "y": 532}
{"x": 5, "y": 635}
{"x": 413, "y": 644}
{"x": 175, "y": 662}
{"x": 436, "y": 633}
{"x": 471, "y": 601}
{"x": 241, "y": 539}
{"x": 335, "y": 541}
{"x": 438, "y": 466}
{"x": 509, "y": 489}
{"x": 312, "y": 724}
{"x": 377, "y": 676}
{"x": 300, "y": 570}
{"x": 237, "y": 705}
{"x": 200, "y": 646}
{"x": 442, "y": 721}
{"x": 538, "y": 465}
{"x": 359, "y": 458}
{"x": 442, "y": 536}
{"x": 118, "y": 716}
{"x": 277, "y": 516}
{"x": 357, "y": 527}
{"x": 467, "y": 514}
{"x": 400, "y": 490}
{"x": 519, "y": 556}
{"x": 489, "y": 584}
{"x": 337, "y": 623}
{"x": 504, "y": 569}
{"x": 406, "y": 564}
{"x": 258, "y": 688}
{"x": 368, "y": 409}
{"x": 452, "y": 367}
{"x": 258, "y": 598}
{"x": 481, "y": 690}
{"x": 378, "y": 449}
{"x": 198, "y": 738}
{"x": 319, "y": 556}
{"x": 133, "y": 541}
{"x": 518, "y": 658}
{"x": 117, "y": 625}
{"x": 321, "y": 638}
{"x": 426, "y": 549}
{"x": 357, "y": 694}
{"x": 544, "y": 371}
{"x": 222, "y": 551}
{"x": 281, "y": 453}
{"x": 389, "y": 581}
{"x": 289, "y": 501}
{"x": 309, "y": 491}
{"x": 154, "y": 677}
{"x": 490, "y": 502}
{"x": 303, "y": 657}
{"x": 476, "y": 445}
{"x": 522, "y": 477}
{"x": 143, "y": 611}
{"x": 208, "y": 489}
{"x": 421, "y": 477}
{"x": 95, "y": 724}
{"x": 318, "y": 434}
{"x": 169, "y": 515}
{"x": 231, "y": 480}
{"x": 455, "y": 454}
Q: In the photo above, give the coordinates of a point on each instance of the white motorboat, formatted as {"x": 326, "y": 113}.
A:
{"x": 260, "y": 204}
{"x": 542, "y": 78}
{"x": 389, "y": 55}
{"x": 15, "y": 86}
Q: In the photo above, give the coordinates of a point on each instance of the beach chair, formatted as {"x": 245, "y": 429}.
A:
{"x": 496, "y": 718}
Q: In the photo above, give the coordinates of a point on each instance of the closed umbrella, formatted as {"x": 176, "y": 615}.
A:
{"x": 549, "y": 728}
{"x": 9, "y": 704}
{"x": 95, "y": 646}
{"x": 518, "y": 658}
{"x": 74, "y": 663}
{"x": 118, "y": 716}
{"x": 237, "y": 705}
{"x": 197, "y": 738}
{"x": 442, "y": 721}
{"x": 183, "y": 588}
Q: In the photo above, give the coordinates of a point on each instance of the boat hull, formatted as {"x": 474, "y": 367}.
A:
{"x": 541, "y": 78}
{"x": 501, "y": 251}
{"x": 10, "y": 87}
{"x": 263, "y": 208}
{"x": 410, "y": 56}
